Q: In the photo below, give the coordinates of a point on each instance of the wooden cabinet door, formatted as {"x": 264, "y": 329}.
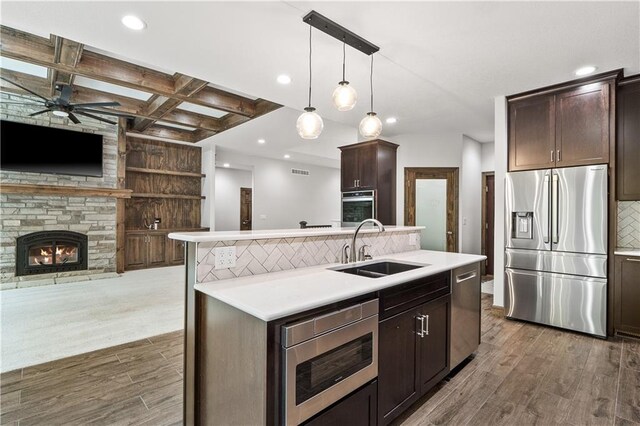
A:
{"x": 628, "y": 148}
{"x": 157, "y": 255}
{"x": 135, "y": 251}
{"x": 176, "y": 252}
{"x": 433, "y": 360}
{"x": 349, "y": 169}
{"x": 368, "y": 167}
{"x": 627, "y": 295}
{"x": 358, "y": 409}
{"x": 582, "y": 125}
{"x": 397, "y": 349}
{"x": 532, "y": 133}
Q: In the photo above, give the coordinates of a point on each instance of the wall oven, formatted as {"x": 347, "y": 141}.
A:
{"x": 328, "y": 357}
{"x": 358, "y": 206}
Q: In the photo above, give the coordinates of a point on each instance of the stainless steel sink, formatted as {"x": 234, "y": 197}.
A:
{"x": 379, "y": 269}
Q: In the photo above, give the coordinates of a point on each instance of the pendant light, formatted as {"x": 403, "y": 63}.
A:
{"x": 309, "y": 123}
{"x": 371, "y": 126}
{"x": 345, "y": 96}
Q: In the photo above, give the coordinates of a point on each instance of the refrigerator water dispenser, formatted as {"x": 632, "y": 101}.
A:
{"x": 522, "y": 225}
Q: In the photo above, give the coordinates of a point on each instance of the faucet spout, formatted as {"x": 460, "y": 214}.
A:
{"x": 353, "y": 255}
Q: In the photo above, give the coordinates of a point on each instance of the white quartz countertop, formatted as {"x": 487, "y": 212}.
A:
{"x": 200, "y": 237}
{"x": 279, "y": 294}
{"x": 627, "y": 252}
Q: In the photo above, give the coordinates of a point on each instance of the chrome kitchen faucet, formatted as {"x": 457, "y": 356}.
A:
{"x": 353, "y": 255}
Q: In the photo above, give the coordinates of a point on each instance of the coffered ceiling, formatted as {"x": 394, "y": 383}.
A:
{"x": 439, "y": 67}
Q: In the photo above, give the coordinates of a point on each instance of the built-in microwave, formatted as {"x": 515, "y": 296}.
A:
{"x": 328, "y": 357}
{"x": 358, "y": 206}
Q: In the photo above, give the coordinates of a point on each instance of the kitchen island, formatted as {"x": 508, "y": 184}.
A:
{"x": 233, "y": 326}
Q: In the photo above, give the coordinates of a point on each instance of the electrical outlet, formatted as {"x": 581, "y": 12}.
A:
{"x": 225, "y": 257}
{"x": 413, "y": 239}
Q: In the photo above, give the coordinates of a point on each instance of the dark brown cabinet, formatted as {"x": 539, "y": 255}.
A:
{"x": 145, "y": 249}
{"x": 627, "y": 295}
{"x": 358, "y": 409}
{"x": 372, "y": 165}
{"x": 413, "y": 350}
{"x": 563, "y": 126}
{"x": 628, "y": 146}
{"x": 176, "y": 252}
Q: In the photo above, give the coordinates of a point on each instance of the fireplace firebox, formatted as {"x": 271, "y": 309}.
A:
{"x": 51, "y": 251}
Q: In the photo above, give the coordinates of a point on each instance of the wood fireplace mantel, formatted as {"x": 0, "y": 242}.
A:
{"x": 73, "y": 191}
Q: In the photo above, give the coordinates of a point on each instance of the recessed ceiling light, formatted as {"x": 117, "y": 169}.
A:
{"x": 261, "y": 141}
{"x": 133, "y": 22}
{"x": 287, "y": 156}
{"x": 284, "y": 79}
{"x": 391, "y": 120}
{"x": 60, "y": 113}
{"x": 225, "y": 165}
{"x": 585, "y": 70}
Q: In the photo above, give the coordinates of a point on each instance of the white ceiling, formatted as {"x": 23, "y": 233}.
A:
{"x": 438, "y": 70}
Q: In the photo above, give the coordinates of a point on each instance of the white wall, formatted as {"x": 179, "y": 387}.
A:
{"x": 227, "y": 192}
{"x": 208, "y": 187}
{"x": 280, "y": 199}
{"x": 471, "y": 196}
{"x": 488, "y": 156}
{"x": 500, "y": 173}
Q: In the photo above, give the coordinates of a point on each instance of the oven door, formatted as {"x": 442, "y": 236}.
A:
{"x": 325, "y": 369}
{"x": 357, "y": 209}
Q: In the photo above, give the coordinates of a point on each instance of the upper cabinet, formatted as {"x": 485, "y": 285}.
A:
{"x": 371, "y": 165}
{"x": 628, "y": 146}
{"x": 563, "y": 126}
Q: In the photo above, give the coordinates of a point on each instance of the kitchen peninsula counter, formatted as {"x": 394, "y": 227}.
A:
{"x": 276, "y": 295}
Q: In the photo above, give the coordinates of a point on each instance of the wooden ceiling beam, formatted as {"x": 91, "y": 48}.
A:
{"x": 128, "y": 105}
{"x": 26, "y": 47}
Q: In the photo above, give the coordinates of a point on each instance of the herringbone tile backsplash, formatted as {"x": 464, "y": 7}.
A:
{"x": 255, "y": 257}
{"x": 629, "y": 224}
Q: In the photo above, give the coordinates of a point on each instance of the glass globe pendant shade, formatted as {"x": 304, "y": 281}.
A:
{"x": 309, "y": 124}
{"x": 345, "y": 96}
{"x": 370, "y": 126}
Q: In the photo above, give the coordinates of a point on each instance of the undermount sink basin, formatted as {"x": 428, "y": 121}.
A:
{"x": 379, "y": 269}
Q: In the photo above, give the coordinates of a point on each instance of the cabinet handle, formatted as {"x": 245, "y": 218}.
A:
{"x": 558, "y": 156}
{"x": 427, "y": 327}
{"x": 630, "y": 259}
{"x": 552, "y": 156}
{"x": 421, "y": 319}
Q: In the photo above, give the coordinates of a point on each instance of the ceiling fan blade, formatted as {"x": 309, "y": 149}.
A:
{"x": 107, "y": 112}
{"x": 74, "y": 118}
{"x": 97, "y": 104}
{"x": 65, "y": 92}
{"x": 24, "y": 88}
{"x": 39, "y": 112}
{"x": 95, "y": 117}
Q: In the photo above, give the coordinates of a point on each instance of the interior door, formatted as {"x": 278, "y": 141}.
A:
{"x": 489, "y": 218}
{"x": 245, "y": 209}
{"x": 426, "y": 198}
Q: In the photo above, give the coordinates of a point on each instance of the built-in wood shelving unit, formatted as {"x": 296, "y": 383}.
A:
{"x": 177, "y": 196}
{"x": 165, "y": 172}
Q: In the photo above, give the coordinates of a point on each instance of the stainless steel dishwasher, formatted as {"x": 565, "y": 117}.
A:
{"x": 465, "y": 312}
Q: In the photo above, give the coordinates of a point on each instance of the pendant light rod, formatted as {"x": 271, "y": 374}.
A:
{"x": 344, "y": 59}
{"x": 309, "y": 67}
{"x": 371, "y": 82}
{"x": 339, "y": 32}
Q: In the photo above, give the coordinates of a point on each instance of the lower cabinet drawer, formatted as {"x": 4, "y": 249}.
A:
{"x": 357, "y": 409}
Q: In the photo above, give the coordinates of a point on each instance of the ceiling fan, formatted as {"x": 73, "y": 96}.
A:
{"x": 61, "y": 107}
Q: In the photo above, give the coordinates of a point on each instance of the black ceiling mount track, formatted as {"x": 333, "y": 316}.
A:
{"x": 339, "y": 32}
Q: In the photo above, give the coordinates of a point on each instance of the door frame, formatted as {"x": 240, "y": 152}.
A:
{"x": 451, "y": 176}
{"x": 483, "y": 240}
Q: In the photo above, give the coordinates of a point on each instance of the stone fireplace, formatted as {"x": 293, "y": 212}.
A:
{"x": 51, "y": 251}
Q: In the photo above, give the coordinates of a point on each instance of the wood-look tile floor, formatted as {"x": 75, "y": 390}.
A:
{"x": 522, "y": 374}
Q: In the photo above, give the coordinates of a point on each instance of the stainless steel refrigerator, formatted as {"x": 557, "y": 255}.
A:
{"x": 556, "y": 247}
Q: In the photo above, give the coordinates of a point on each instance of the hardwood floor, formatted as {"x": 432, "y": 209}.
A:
{"x": 522, "y": 374}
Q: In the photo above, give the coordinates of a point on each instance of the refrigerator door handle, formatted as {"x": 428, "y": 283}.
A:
{"x": 545, "y": 209}
{"x": 554, "y": 209}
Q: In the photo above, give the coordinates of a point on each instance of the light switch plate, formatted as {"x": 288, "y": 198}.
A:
{"x": 225, "y": 257}
{"x": 413, "y": 239}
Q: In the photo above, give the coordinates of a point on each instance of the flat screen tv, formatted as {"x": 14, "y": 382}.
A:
{"x": 39, "y": 149}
